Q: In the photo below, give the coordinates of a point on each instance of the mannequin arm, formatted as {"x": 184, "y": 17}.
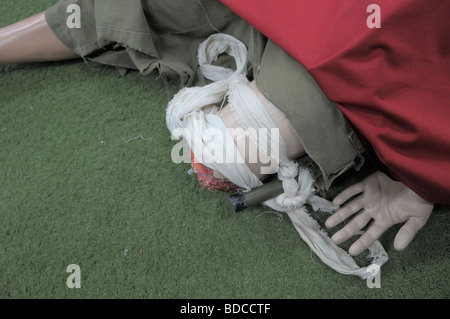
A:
{"x": 32, "y": 40}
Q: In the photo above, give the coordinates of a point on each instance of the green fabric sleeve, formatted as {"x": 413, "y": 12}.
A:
{"x": 328, "y": 139}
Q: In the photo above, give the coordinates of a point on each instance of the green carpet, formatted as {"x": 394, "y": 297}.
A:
{"x": 86, "y": 178}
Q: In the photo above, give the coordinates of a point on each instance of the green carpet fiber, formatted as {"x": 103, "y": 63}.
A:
{"x": 86, "y": 178}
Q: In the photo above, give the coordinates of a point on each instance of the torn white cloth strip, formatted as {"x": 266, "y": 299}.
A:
{"x": 311, "y": 232}
{"x": 192, "y": 106}
{"x": 192, "y": 112}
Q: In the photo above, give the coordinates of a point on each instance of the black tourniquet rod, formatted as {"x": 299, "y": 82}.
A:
{"x": 243, "y": 200}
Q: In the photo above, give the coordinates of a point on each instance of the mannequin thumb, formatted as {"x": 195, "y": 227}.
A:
{"x": 406, "y": 234}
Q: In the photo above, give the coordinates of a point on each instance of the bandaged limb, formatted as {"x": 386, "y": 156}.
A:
{"x": 32, "y": 40}
{"x": 384, "y": 201}
{"x": 254, "y": 157}
{"x": 194, "y": 110}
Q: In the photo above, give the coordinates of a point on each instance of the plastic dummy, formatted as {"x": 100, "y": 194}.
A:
{"x": 382, "y": 199}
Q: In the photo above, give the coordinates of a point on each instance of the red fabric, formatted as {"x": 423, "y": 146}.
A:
{"x": 206, "y": 179}
{"x": 392, "y": 83}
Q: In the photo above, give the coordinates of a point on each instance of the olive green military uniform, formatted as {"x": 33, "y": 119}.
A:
{"x": 163, "y": 36}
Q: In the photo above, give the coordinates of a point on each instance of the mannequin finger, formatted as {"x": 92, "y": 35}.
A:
{"x": 368, "y": 238}
{"x": 354, "y": 226}
{"x": 348, "y": 210}
{"x": 406, "y": 234}
{"x": 348, "y": 193}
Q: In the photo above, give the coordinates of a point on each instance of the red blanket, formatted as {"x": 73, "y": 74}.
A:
{"x": 392, "y": 83}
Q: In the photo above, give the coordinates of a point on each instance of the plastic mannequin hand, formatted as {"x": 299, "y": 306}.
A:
{"x": 387, "y": 202}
